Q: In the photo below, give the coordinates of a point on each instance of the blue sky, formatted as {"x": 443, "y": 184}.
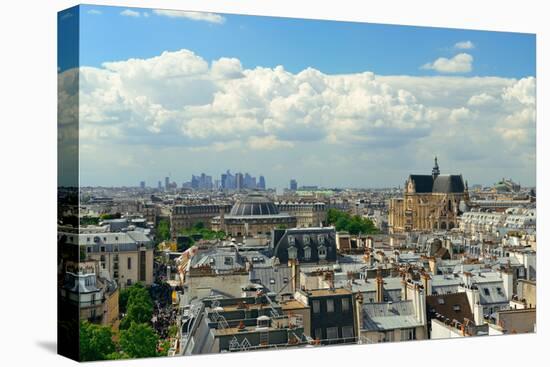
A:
{"x": 328, "y": 103}
{"x": 329, "y": 46}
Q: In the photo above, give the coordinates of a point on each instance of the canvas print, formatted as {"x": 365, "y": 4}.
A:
{"x": 232, "y": 183}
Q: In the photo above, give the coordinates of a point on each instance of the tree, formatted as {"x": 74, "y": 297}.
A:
{"x": 139, "y": 341}
{"x": 163, "y": 230}
{"x": 139, "y": 311}
{"x": 138, "y": 307}
{"x": 96, "y": 342}
{"x": 135, "y": 291}
{"x": 343, "y": 221}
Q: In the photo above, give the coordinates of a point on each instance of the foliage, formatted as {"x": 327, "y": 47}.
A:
{"x": 163, "y": 230}
{"x": 354, "y": 224}
{"x": 96, "y": 342}
{"x": 138, "y": 306}
{"x": 110, "y": 216}
{"x": 164, "y": 348}
{"x": 117, "y": 355}
{"x": 139, "y": 341}
{"x": 173, "y": 331}
{"x": 199, "y": 230}
{"x": 89, "y": 221}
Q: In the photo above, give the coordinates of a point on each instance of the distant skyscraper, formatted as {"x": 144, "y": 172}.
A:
{"x": 293, "y": 185}
{"x": 239, "y": 181}
{"x": 166, "y": 183}
{"x": 160, "y": 185}
{"x": 142, "y": 185}
{"x": 224, "y": 181}
{"x": 261, "y": 183}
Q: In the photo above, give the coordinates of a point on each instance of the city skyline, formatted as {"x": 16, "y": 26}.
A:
{"x": 363, "y": 120}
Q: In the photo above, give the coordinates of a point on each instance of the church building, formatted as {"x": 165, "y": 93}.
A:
{"x": 429, "y": 202}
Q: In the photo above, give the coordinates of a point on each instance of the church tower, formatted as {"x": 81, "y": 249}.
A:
{"x": 435, "y": 170}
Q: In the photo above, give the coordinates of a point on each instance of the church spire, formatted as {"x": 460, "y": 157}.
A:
{"x": 435, "y": 170}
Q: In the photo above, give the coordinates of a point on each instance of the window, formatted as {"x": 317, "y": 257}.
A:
{"x": 456, "y": 308}
{"x": 102, "y": 259}
{"x": 316, "y": 306}
{"x": 330, "y": 305}
{"x": 285, "y": 280}
{"x": 345, "y": 304}
{"x": 129, "y": 263}
{"x": 129, "y": 282}
{"x": 272, "y": 281}
{"x": 318, "y": 334}
{"x": 291, "y": 240}
{"x": 102, "y": 249}
{"x": 307, "y": 253}
{"x": 292, "y": 252}
{"x": 332, "y": 332}
{"x": 228, "y": 261}
{"x": 142, "y": 266}
{"x": 388, "y": 336}
{"x": 486, "y": 291}
{"x": 347, "y": 331}
{"x": 440, "y": 301}
{"x": 408, "y": 334}
{"x": 322, "y": 251}
{"x": 88, "y": 249}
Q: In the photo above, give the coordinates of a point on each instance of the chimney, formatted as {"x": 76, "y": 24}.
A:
{"x": 508, "y": 281}
{"x": 379, "y": 286}
{"x": 427, "y": 282}
{"x": 294, "y": 274}
{"x": 432, "y": 261}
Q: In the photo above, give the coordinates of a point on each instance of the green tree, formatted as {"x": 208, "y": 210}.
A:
{"x": 139, "y": 311}
{"x": 135, "y": 291}
{"x": 139, "y": 341}
{"x": 343, "y": 221}
{"x": 117, "y": 355}
{"x": 96, "y": 342}
{"x": 163, "y": 230}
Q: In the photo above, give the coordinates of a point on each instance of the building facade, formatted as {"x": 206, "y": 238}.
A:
{"x": 185, "y": 216}
{"x": 252, "y": 215}
{"x": 429, "y": 202}
{"x": 307, "y": 214}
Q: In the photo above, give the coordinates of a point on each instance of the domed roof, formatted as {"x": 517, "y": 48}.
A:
{"x": 254, "y": 205}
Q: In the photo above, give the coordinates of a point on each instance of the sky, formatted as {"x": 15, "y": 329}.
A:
{"x": 335, "y": 104}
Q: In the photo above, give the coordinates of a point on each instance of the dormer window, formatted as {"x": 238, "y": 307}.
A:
{"x": 292, "y": 253}
{"x": 322, "y": 252}
{"x": 321, "y": 239}
{"x": 307, "y": 253}
{"x": 291, "y": 240}
{"x": 306, "y": 240}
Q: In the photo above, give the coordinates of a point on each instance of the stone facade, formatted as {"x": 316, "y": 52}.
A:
{"x": 429, "y": 202}
{"x": 307, "y": 214}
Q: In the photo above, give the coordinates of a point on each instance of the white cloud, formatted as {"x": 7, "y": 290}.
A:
{"x": 268, "y": 142}
{"x": 481, "y": 100}
{"x": 464, "y": 45}
{"x": 94, "y": 12}
{"x": 461, "y": 63}
{"x": 524, "y": 91}
{"x": 198, "y": 16}
{"x": 179, "y": 100}
{"x": 130, "y": 13}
